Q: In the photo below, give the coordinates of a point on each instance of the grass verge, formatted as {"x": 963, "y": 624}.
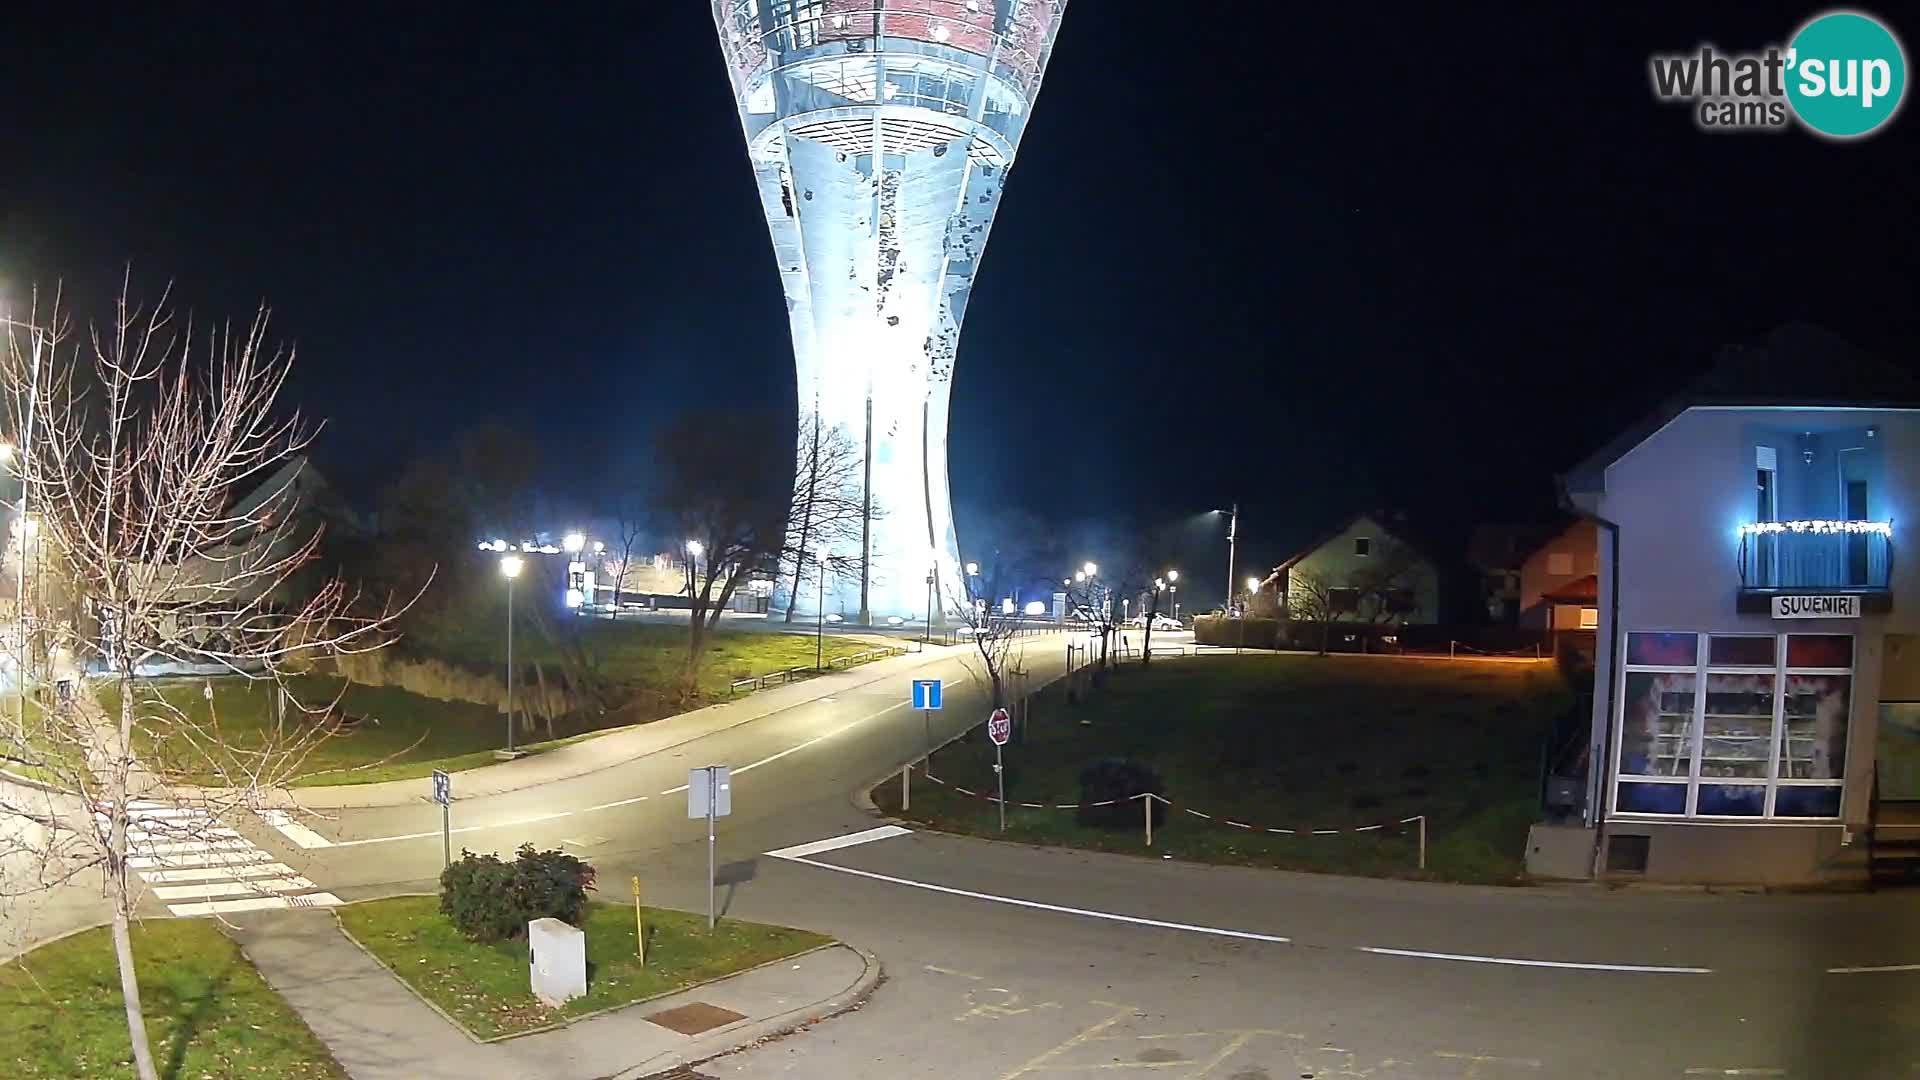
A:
{"x": 208, "y": 1012}
{"x": 484, "y": 987}
{"x": 408, "y": 735}
{"x": 1281, "y": 741}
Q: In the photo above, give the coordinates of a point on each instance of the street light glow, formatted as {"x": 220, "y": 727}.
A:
{"x": 1079, "y": 575}
{"x": 1173, "y": 575}
{"x": 694, "y": 548}
{"x": 573, "y": 542}
{"x": 1159, "y": 583}
{"x": 1090, "y": 569}
{"x": 510, "y": 566}
{"x": 973, "y": 569}
{"x": 598, "y": 547}
{"x": 1253, "y": 584}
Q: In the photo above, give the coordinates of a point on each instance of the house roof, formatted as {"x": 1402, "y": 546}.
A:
{"x": 1797, "y": 364}
{"x": 1584, "y": 590}
{"x": 1505, "y": 545}
{"x": 1398, "y": 532}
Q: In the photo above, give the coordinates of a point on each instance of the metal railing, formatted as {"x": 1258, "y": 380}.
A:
{"x": 1815, "y": 560}
{"x": 787, "y": 675}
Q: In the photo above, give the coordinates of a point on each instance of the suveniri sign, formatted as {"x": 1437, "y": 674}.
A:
{"x": 1816, "y": 607}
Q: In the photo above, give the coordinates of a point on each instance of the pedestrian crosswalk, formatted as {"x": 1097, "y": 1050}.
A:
{"x": 198, "y": 867}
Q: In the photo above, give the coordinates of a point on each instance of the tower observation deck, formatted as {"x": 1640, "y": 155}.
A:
{"x": 880, "y": 133}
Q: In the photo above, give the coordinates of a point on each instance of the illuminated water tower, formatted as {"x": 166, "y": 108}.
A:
{"x": 881, "y": 132}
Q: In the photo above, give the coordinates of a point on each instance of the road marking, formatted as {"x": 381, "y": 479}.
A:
{"x": 1872, "y": 968}
{"x": 835, "y": 843}
{"x": 295, "y": 831}
{"x": 1735, "y": 1072}
{"x": 1650, "y": 969}
{"x": 1040, "y": 1061}
{"x": 1215, "y": 931}
{"x": 255, "y": 903}
{"x": 771, "y": 758}
{"x": 220, "y": 873}
{"x": 208, "y": 890}
{"x": 216, "y": 859}
{"x": 467, "y": 829}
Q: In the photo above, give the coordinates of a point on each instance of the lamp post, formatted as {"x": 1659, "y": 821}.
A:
{"x": 510, "y": 566}
{"x": 1233, "y": 532}
{"x": 694, "y": 548}
{"x": 820, "y": 618}
{"x": 1173, "y": 591}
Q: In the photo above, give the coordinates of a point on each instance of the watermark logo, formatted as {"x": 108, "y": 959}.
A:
{"x": 1843, "y": 75}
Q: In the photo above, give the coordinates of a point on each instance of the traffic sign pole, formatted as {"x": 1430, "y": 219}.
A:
{"x": 443, "y": 794}
{"x": 710, "y": 874}
{"x": 999, "y": 729}
{"x": 1000, "y": 775}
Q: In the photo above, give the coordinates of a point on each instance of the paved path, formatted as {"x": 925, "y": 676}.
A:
{"x": 379, "y": 1030}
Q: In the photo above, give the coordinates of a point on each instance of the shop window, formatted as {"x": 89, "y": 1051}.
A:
{"x": 1740, "y": 651}
{"x": 1736, "y": 726}
{"x": 1819, "y": 651}
{"x": 1589, "y": 618}
{"x": 1663, "y": 650}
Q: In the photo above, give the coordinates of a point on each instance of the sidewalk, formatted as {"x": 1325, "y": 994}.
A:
{"x": 378, "y": 1029}
{"x": 624, "y": 744}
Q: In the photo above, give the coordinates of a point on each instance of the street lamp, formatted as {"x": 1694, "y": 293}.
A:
{"x": 694, "y": 548}
{"x": 820, "y": 617}
{"x": 573, "y": 542}
{"x": 1233, "y": 532}
{"x": 510, "y": 566}
{"x": 1173, "y": 591}
{"x": 1090, "y": 569}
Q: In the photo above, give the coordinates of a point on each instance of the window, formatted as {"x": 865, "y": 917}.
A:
{"x": 1560, "y": 564}
{"x": 1343, "y": 599}
{"x": 1589, "y": 618}
{"x": 1363, "y": 546}
{"x": 1734, "y": 726}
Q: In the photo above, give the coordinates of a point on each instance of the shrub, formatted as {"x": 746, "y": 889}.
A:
{"x": 477, "y": 895}
{"x": 1117, "y": 780}
{"x": 488, "y": 900}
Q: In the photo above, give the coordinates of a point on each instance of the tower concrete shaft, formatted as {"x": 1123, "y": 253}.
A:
{"x": 880, "y": 133}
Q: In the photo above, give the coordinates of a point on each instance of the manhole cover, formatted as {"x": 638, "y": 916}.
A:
{"x": 695, "y": 1018}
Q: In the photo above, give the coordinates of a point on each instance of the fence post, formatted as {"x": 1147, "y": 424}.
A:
{"x": 1146, "y": 804}
{"x": 1423, "y": 841}
{"x": 906, "y": 790}
{"x": 1450, "y": 650}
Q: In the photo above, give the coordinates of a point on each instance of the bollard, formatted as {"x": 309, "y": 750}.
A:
{"x": 1423, "y": 841}
{"x": 906, "y": 793}
{"x": 639, "y": 923}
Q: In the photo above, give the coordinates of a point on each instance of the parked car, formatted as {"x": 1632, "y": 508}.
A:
{"x": 1160, "y": 622}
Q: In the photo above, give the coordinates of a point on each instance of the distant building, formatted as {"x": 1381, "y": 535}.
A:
{"x": 1362, "y": 571}
{"x": 1758, "y": 645}
{"x": 1559, "y": 581}
{"x": 1495, "y": 552}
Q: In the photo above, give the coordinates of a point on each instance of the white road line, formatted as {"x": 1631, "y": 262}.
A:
{"x": 293, "y": 830}
{"x": 1014, "y": 901}
{"x": 1709, "y": 1071}
{"x": 190, "y": 847}
{"x": 255, "y": 903}
{"x": 771, "y": 758}
{"x": 835, "y": 843}
{"x": 208, "y": 890}
{"x": 219, "y": 873}
{"x": 1872, "y": 968}
{"x": 1649, "y": 969}
{"x": 176, "y": 862}
{"x": 470, "y": 828}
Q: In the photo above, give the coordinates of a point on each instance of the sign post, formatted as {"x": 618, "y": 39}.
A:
{"x": 639, "y": 922}
{"x": 999, "y": 729}
{"x": 926, "y": 698}
{"x": 710, "y": 796}
{"x": 443, "y": 794}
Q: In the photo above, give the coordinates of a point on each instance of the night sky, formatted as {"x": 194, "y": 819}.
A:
{"x": 1313, "y": 260}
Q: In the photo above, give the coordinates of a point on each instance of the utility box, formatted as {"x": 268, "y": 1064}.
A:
{"x": 557, "y": 955}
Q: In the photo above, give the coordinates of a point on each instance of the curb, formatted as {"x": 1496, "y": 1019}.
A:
{"x": 853, "y": 996}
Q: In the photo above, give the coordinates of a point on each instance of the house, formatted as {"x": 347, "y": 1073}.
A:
{"x": 1559, "y": 581}
{"x": 1758, "y": 645}
{"x": 1496, "y": 552}
{"x": 1362, "y": 571}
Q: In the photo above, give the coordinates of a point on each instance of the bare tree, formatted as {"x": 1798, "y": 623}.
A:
{"x": 720, "y": 484}
{"x": 829, "y": 507}
{"x": 630, "y": 519}
{"x": 996, "y": 641}
{"x": 161, "y": 480}
{"x": 1312, "y": 598}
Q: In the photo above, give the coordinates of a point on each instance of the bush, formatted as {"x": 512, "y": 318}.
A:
{"x": 1253, "y": 632}
{"x": 1117, "y": 780}
{"x": 488, "y": 900}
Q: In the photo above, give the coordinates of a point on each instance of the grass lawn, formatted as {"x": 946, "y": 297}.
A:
{"x": 484, "y": 987}
{"x": 209, "y": 1013}
{"x": 638, "y": 656}
{"x": 1283, "y": 741}
{"x": 416, "y": 734}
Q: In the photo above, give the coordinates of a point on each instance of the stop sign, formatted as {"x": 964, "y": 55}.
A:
{"x": 999, "y": 727}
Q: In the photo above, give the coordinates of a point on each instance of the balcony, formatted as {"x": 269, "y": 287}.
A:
{"x": 1825, "y": 557}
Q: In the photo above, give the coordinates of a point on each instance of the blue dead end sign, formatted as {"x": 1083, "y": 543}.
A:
{"x": 926, "y": 694}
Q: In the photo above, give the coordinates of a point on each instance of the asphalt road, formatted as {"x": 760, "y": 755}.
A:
{"x": 1007, "y": 961}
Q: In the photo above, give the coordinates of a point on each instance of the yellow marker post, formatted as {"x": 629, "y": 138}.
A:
{"x": 639, "y": 923}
